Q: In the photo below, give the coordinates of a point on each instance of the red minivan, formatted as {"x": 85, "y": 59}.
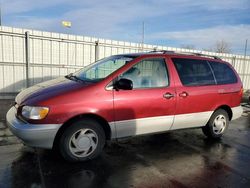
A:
{"x": 127, "y": 95}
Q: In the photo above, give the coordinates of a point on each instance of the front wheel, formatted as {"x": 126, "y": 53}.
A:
{"x": 217, "y": 124}
{"x": 82, "y": 140}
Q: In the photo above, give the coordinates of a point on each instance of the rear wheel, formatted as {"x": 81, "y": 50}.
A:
{"x": 217, "y": 124}
{"x": 82, "y": 140}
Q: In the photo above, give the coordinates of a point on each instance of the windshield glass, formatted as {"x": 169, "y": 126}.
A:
{"x": 102, "y": 68}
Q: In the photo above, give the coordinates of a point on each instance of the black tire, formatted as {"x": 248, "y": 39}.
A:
{"x": 210, "y": 129}
{"x": 69, "y": 141}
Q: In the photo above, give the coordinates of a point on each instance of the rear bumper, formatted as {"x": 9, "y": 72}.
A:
{"x": 34, "y": 135}
{"x": 237, "y": 112}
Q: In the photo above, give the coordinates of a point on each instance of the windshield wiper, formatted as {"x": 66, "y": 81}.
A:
{"x": 73, "y": 77}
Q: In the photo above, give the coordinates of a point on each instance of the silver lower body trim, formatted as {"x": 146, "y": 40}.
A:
{"x": 141, "y": 126}
{"x": 34, "y": 135}
{"x": 191, "y": 120}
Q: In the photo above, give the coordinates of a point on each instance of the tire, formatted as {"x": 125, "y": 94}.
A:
{"x": 82, "y": 140}
{"x": 217, "y": 124}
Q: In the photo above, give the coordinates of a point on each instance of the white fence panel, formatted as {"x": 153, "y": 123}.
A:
{"x": 57, "y": 54}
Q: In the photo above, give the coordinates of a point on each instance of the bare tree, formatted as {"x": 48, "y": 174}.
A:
{"x": 222, "y": 46}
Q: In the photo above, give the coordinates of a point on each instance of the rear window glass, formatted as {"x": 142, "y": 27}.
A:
{"x": 223, "y": 73}
{"x": 193, "y": 72}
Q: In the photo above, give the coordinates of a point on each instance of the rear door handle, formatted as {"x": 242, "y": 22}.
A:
{"x": 168, "y": 95}
{"x": 183, "y": 94}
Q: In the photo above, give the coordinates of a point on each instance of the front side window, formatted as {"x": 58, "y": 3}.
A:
{"x": 103, "y": 68}
{"x": 148, "y": 73}
{"x": 223, "y": 73}
{"x": 193, "y": 72}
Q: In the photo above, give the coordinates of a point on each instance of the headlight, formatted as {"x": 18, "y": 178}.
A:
{"x": 34, "y": 112}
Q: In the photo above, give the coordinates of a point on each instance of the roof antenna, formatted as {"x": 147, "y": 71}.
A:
{"x": 155, "y": 49}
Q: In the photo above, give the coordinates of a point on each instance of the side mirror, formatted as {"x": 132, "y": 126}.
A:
{"x": 124, "y": 84}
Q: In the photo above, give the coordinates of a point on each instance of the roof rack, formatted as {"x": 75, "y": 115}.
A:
{"x": 161, "y": 51}
{"x": 186, "y": 53}
{"x": 204, "y": 55}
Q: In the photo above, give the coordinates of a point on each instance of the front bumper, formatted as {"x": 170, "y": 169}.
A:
{"x": 34, "y": 135}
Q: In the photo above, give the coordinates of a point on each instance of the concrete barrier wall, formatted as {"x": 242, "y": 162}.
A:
{"x": 56, "y": 54}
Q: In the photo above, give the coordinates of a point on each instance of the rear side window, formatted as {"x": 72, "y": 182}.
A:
{"x": 194, "y": 72}
{"x": 223, "y": 73}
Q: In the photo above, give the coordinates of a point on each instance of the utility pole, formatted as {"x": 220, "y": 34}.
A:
{"x": 244, "y": 65}
{"x": 143, "y": 32}
{"x": 0, "y": 14}
{"x": 245, "y": 49}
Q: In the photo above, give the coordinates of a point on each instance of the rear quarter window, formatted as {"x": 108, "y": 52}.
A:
{"x": 194, "y": 72}
{"x": 223, "y": 73}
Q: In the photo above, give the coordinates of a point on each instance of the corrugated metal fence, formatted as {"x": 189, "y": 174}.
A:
{"x": 44, "y": 55}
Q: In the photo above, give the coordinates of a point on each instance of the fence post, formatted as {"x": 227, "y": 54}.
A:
{"x": 233, "y": 61}
{"x": 96, "y": 50}
{"x": 27, "y": 58}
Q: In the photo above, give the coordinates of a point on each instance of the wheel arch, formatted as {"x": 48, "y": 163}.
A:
{"x": 105, "y": 125}
{"x": 227, "y": 109}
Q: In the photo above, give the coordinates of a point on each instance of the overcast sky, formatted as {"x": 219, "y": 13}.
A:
{"x": 167, "y": 22}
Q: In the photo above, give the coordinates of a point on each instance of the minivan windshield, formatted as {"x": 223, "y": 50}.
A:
{"x": 101, "y": 69}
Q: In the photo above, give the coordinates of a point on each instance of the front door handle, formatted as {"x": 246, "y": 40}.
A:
{"x": 168, "y": 95}
{"x": 183, "y": 94}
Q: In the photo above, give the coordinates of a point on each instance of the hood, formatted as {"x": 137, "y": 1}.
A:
{"x": 48, "y": 89}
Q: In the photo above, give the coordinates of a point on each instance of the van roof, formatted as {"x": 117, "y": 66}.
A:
{"x": 174, "y": 53}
